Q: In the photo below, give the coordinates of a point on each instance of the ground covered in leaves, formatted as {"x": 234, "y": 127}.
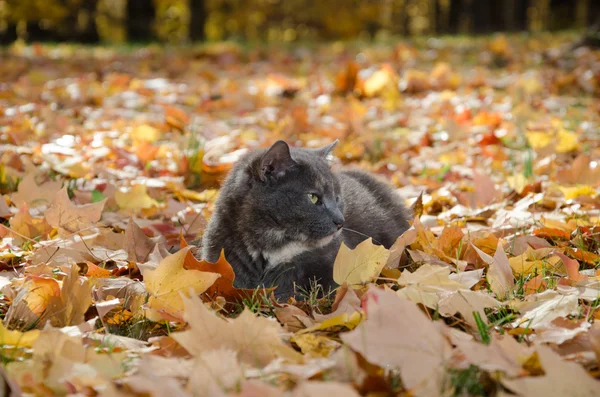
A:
{"x": 111, "y": 159}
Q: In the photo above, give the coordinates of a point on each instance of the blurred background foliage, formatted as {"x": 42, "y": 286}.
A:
{"x": 180, "y": 21}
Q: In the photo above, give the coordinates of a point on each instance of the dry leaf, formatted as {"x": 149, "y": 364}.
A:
{"x": 17, "y": 338}
{"x": 69, "y": 218}
{"x": 561, "y": 379}
{"x": 169, "y": 282}
{"x": 421, "y": 353}
{"x": 32, "y": 195}
{"x": 499, "y": 274}
{"x": 360, "y": 265}
{"x": 255, "y": 339}
{"x": 74, "y": 300}
{"x": 135, "y": 199}
{"x": 541, "y": 309}
{"x": 323, "y": 389}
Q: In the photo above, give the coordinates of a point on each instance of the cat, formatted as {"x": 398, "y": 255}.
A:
{"x": 282, "y": 215}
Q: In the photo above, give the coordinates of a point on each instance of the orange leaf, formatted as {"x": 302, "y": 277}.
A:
{"x": 535, "y": 285}
{"x": 96, "y": 271}
{"x": 572, "y": 267}
{"x": 588, "y": 257}
{"x": 551, "y": 233}
{"x": 223, "y": 286}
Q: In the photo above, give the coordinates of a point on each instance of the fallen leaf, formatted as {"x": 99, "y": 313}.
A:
{"x": 170, "y": 281}
{"x": 255, "y": 339}
{"x": 396, "y": 250}
{"x": 502, "y": 354}
{"x": 422, "y": 352}
{"x": 69, "y": 218}
{"x": 572, "y": 267}
{"x": 499, "y": 274}
{"x": 215, "y": 373}
{"x": 17, "y": 338}
{"x": 75, "y": 298}
{"x": 32, "y": 195}
{"x": 138, "y": 245}
{"x": 360, "y": 265}
{"x": 323, "y": 389}
{"x": 466, "y": 302}
{"x": 561, "y": 379}
{"x": 135, "y": 199}
{"x": 541, "y": 309}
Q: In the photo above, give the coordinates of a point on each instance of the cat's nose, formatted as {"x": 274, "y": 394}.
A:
{"x": 339, "y": 225}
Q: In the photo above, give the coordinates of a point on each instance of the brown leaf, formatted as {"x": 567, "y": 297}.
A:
{"x": 69, "y": 218}
{"x": 138, "y": 245}
{"x": 561, "y": 379}
{"x": 255, "y": 338}
{"x": 323, "y": 389}
{"x": 420, "y": 354}
{"x": 74, "y": 300}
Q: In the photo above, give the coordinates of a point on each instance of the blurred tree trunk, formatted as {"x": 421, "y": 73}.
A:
{"x": 515, "y": 15}
{"x": 454, "y": 16}
{"x": 87, "y": 18}
{"x": 9, "y": 34}
{"x": 140, "y": 17}
{"x": 198, "y": 20}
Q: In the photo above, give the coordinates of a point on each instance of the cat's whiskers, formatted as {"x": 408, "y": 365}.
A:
{"x": 362, "y": 234}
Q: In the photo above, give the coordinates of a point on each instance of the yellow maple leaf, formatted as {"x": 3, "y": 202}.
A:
{"x": 535, "y": 261}
{"x": 567, "y": 141}
{"x": 539, "y": 139}
{"x": 572, "y": 192}
{"x": 136, "y": 198}
{"x": 145, "y": 133}
{"x": 169, "y": 281}
{"x": 17, "y": 338}
{"x": 360, "y": 265}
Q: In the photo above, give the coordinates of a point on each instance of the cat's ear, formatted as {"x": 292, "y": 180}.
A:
{"x": 277, "y": 161}
{"x": 326, "y": 150}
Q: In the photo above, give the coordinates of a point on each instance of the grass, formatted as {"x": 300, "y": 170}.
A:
{"x": 316, "y": 298}
{"x": 259, "y": 303}
{"x": 467, "y": 382}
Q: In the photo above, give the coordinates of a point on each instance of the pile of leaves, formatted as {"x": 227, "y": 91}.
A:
{"x": 111, "y": 159}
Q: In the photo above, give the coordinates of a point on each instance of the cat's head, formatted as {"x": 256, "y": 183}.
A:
{"x": 296, "y": 197}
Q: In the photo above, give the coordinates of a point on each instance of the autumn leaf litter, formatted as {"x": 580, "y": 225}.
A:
{"x": 111, "y": 160}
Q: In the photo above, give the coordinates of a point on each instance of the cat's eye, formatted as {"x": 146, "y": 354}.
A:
{"x": 313, "y": 198}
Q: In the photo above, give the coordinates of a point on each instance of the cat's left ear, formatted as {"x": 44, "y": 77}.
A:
{"x": 276, "y": 161}
{"x": 326, "y": 150}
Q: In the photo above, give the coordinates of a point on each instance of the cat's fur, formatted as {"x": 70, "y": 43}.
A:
{"x": 273, "y": 234}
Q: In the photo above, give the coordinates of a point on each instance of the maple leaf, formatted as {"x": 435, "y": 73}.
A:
{"x": 539, "y": 310}
{"x": 33, "y": 195}
{"x": 223, "y": 286}
{"x": 30, "y": 305}
{"x": 503, "y": 353}
{"x": 138, "y": 245}
{"x": 69, "y": 218}
{"x": 17, "y": 338}
{"x": 499, "y": 274}
{"x": 561, "y": 379}
{"x": 169, "y": 281}
{"x": 396, "y": 250}
{"x": 135, "y": 199}
{"x": 422, "y": 352}
{"x": 255, "y": 339}
{"x": 323, "y": 389}
{"x": 4, "y": 210}
{"x": 25, "y": 226}
{"x": 75, "y": 298}
{"x": 360, "y": 265}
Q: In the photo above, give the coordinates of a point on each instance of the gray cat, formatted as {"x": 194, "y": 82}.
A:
{"x": 282, "y": 214}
